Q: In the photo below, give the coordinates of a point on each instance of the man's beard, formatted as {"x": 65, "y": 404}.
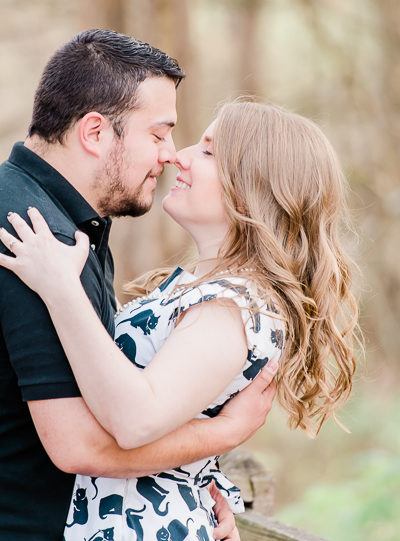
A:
{"x": 116, "y": 199}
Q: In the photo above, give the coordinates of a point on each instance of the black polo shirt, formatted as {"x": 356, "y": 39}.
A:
{"x": 34, "y": 494}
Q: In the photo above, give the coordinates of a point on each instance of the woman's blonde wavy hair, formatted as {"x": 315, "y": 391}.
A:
{"x": 284, "y": 193}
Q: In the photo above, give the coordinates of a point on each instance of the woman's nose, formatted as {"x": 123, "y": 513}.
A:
{"x": 183, "y": 158}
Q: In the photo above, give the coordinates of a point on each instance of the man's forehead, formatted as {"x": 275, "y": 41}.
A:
{"x": 156, "y": 100}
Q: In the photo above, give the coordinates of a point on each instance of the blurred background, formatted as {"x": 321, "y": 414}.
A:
{"x": 338, "y": 62}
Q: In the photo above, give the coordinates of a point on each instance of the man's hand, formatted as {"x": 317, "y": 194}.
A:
{"x": 242, "y": 417}
{"x": 246, "y": 412}
{"x": 226, "y": 528}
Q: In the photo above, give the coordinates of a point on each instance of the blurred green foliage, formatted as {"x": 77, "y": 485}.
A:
{"x": 363, "y": 507}
{"x": 344, "y": 487}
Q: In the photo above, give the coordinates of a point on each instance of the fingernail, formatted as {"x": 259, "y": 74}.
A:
{"x": 9, "y": 214}
{"x": 29, "y": 208}
{"x": 272, "y": 366}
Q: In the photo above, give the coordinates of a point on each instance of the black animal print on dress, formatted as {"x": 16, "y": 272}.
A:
{"x": 257, "y": 364}
{"x": 128, "y": 346}
{"x": 171, "y": 278}
{"x": 177, "y": 530}
{"x": 110, "y": 505}
{"x": 93, "y": 481}
{"x": 145, "y": 320}
{"x": 103, "y": 535}
{"x": 202, "y": 534}
{"x": 187, "y": 495}
{"x": 154, "y": 493}
{"x": 162, "y": 534}
{"x": 80, "y": 514}
{"x": 133, "y": 522}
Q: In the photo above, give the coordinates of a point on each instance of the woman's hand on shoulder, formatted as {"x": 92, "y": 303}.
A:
{"x": 40, "y": 260}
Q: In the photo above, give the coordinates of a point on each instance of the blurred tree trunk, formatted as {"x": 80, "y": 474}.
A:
{"x": 109, "y": 14}
{"x": 385, "y": 262}
{"x": 245, "y": 16}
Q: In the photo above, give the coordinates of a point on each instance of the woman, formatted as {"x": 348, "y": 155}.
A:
{"x": 262, "y": 195}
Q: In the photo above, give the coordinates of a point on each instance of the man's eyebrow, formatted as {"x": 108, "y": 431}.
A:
{"x": 168, "y": 123}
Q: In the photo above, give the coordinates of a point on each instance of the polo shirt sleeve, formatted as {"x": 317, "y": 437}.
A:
{"x": 35, "y": 352}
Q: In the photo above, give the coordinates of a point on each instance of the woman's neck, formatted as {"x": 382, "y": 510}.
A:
{"x": 208, "y": 240}
{"x": 208, "y": 256}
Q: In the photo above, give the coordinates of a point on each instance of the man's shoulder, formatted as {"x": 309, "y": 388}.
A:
{"x": 19, "y": 190}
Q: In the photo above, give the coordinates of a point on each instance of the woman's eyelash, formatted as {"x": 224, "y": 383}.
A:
{"x": 207, "y": 153}
{"x": 158, "y": 138}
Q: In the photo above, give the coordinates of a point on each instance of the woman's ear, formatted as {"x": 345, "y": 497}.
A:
{"x": 95, "y": 132}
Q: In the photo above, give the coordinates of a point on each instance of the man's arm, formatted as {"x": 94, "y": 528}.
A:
{"x": 76, "y": 443}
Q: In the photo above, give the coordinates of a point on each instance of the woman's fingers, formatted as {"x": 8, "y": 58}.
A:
{"x": 38, "y": 222}
{"x": 7, "y": 261}
{"x": 21, "y": 227}
{"x": 82, "y": 240}
{"x": 81, "y": 247}
{"x": 10, "y": 242}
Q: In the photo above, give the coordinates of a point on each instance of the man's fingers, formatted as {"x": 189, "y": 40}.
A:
{"x": 39, "y": 224}
{"x": 265, "y": 377}
{"x": 270, "y": 391}
{"x": 226, "y": 521}
{"x": 223, "y": 514}
{"x": 268, "y": 397}
{"x": 21, "y": 227}
{"x": 234, "y": 535}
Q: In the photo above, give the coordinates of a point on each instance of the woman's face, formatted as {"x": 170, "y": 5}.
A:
{"x": 196, "y": 199}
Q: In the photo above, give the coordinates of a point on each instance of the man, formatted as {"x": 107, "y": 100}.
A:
{"x": 99, "y": 137}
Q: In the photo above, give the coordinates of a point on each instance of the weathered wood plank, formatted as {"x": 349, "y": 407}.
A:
{"x": 256, "y": 527}
{"x": 257, "y": 485}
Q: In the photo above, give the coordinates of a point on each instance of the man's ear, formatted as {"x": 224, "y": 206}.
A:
{"x": 95, "y": 133}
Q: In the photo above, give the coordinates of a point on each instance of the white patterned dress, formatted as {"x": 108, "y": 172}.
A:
{"x": 174, "y": 505}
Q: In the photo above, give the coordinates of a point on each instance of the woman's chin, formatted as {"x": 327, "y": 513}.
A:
{"x": 166, "y": 204}
{"x": 169, "y": 207}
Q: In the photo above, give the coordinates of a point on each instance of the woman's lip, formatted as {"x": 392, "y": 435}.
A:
{"x": 184, "y": 181}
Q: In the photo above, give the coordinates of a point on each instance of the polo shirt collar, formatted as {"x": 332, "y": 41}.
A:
{"x": 55, "y": 184}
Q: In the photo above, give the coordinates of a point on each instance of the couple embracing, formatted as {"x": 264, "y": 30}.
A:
{"x": 112, "y": 420}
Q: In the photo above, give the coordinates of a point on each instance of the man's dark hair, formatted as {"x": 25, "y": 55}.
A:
{"x": 98, "y": 70}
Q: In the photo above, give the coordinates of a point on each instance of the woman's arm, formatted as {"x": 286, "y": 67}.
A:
{"x": 135, "y": 406}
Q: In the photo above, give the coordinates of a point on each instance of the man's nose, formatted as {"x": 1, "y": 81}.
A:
{"x": 168, "y": 153}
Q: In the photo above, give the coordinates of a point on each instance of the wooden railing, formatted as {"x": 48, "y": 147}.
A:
{"x": 258, "y": 492}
